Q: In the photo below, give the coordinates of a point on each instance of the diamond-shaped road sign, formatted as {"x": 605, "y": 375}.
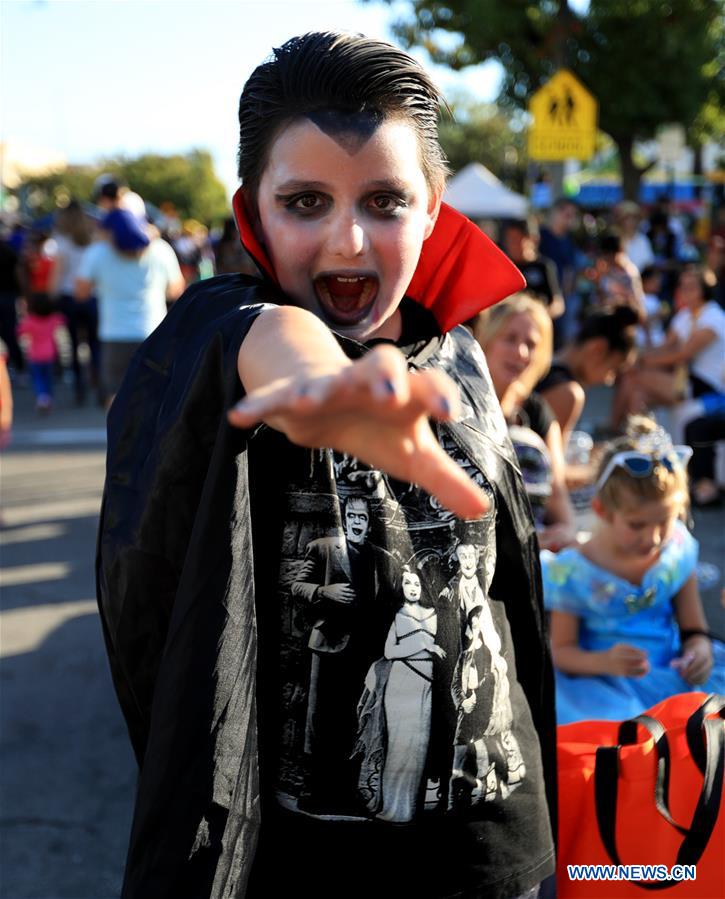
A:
{"x": 565, "y": 120}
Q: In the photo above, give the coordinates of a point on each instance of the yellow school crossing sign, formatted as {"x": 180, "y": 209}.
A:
{"x": 565, "y": 120}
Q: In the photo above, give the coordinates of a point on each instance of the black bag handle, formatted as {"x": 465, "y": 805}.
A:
{"x": 713, "y": 705}
{"x": 697, "y": 836}
{"x": 628, "y": 735}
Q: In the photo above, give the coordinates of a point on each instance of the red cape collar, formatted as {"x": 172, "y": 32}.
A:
{"x": 460, "y": 271}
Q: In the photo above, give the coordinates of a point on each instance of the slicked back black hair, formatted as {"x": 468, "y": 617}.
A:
{"x": 345, "y": 72}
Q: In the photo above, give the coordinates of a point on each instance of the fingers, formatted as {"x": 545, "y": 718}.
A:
{"x": 637, "y": 662}
{"x": 696, "y": 667}
{"x": 639, "y": 670}
{"x": 377, "y": 411}
{"x": 383, "y": 374}
{"x": 638, "y": 665}
{"x": 440, "y": 476}
{"x": 437, "y": 393}
{"x": 379, "y": 383}
{"x": 630, "y": 661}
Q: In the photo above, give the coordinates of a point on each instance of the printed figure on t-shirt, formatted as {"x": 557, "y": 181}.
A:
{"x": 395, "y": 708}
{"x": 341, "y": 578}
{"x": 481, "y": 692}
{"x": 473, "y": 777}
{"x": 398, "y": 686}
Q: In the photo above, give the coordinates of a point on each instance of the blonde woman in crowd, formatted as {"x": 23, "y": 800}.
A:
{"x": 516, "y": 337}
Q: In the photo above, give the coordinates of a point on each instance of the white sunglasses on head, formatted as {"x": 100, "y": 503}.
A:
{"x": 641, "y": 465}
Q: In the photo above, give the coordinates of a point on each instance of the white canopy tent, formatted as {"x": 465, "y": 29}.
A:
{"x": 478, "y": 194}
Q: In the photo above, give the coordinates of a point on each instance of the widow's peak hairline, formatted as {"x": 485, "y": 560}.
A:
{"x": 342, "y": 71}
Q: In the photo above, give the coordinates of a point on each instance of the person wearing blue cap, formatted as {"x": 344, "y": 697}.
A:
{"x": 132, "y": 274}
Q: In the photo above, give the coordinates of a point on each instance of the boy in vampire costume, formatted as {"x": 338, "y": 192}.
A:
{"x": 232, "y": 555}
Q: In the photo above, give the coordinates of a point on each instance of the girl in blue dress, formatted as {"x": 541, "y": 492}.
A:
{"x": 627, "y": 625}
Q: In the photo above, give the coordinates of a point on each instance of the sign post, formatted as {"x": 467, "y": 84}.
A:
{"x": 565, "y": 120}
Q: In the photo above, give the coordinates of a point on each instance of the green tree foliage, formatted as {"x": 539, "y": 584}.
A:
{"x": 188, "y": 181}
{"x": 482, "y": 132}
{"x": 40, "y": 194}
{"x": 648, "y": 62}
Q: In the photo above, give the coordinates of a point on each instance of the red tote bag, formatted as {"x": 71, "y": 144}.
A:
{"x": 644, "y": 797}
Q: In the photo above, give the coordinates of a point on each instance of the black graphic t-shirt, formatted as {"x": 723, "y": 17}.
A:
{"x": 398, "y": 749}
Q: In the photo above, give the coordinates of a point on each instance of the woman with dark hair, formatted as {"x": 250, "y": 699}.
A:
{"x": 226, "y": 488}
{"x": 689, "y": 363}
{"x": 603, "y": 348}
{"x": 400, "y": 685}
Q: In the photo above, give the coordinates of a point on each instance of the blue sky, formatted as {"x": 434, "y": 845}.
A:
{"x": 91, "y": 79}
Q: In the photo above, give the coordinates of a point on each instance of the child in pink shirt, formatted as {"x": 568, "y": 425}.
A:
{"x": 39, "y": 327}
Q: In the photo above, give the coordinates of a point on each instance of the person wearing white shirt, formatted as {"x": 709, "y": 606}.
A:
{"x": 691, "y": 361}
{"x": 133, "y": 274}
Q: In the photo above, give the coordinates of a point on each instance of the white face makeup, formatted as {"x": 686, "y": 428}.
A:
{"x": 343, "y": 221}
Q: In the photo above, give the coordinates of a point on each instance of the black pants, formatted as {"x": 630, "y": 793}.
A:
{"x": 81, "y": 319}
{"x": 702, "y": 434}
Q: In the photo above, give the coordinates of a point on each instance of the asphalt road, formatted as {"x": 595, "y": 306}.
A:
{"x": 66, "y": 772}
{"x": 67, "y": 775}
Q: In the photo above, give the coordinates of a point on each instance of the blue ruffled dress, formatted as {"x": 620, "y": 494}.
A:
{"x": 612, "y": 610}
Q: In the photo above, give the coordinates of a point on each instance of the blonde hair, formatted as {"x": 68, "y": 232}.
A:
{"x": 487, "y": 325}
{"x": 621, "y": 489}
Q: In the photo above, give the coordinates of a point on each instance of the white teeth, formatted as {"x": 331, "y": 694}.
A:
{"x": 348, "y": 280}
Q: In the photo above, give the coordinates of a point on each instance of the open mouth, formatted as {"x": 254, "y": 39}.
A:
{"x": 346, "y": 298}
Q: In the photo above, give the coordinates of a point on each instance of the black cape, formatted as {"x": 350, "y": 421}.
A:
{"x": 176, "y": 586}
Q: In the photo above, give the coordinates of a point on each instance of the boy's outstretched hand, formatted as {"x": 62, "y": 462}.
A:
{"x": 373, "y": 409}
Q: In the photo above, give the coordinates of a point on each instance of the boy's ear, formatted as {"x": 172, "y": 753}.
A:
{"x": 434, "y": 207}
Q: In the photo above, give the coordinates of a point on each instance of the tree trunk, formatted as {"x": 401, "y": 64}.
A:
{"x": 631, "y": 173}
{"x": 562, "y": 30}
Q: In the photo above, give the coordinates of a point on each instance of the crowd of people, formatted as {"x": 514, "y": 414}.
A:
{"x": 100, "y": 271}
{"x": 637, "y": 306}
{"x": 644, "y": 315}
{"x": 627, "y": 627}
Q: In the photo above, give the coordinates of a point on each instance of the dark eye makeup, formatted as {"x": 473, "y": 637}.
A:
{"x": 387, "y": 203}
{"x": 305, "y": 203}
